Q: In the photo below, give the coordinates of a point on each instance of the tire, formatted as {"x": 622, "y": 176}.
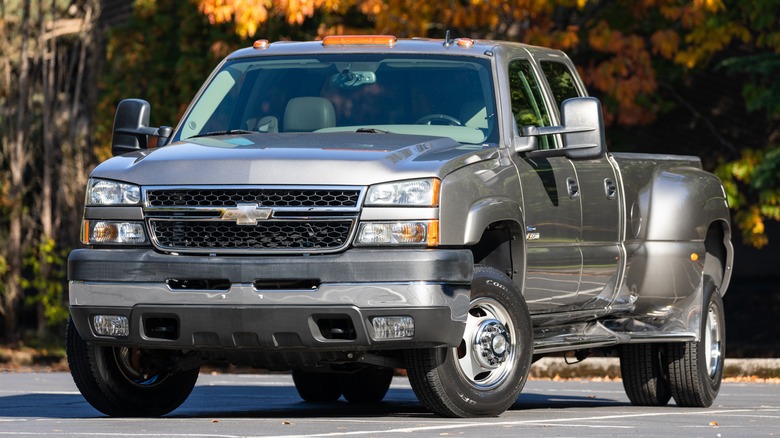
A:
{"x": 113, "y": 381}
{"x": 643, "y": 368}
{"x": 485, "y": 374}
{"x": 696, "y": 368}
{"x": 317, "y": 387}
{"x": 368, "y": 385}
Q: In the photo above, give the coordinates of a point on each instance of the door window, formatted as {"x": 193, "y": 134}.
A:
{"x": 527, "y": 102}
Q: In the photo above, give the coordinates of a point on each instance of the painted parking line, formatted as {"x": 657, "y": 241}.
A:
{"x": 548, "y": 422}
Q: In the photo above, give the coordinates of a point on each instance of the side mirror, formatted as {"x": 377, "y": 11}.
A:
{"x": 584, "y": 123}
{"x": 131, "y": 127}
{"x": 582, "y": 129}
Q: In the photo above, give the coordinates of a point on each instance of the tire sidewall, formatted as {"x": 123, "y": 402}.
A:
{"x": 489, "y": 283}
{"x": 99, "y": 379}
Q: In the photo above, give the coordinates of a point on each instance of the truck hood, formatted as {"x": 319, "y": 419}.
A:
{"x": 301, "y": 158}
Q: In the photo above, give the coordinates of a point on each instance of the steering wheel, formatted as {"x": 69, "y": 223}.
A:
{"x": 430, "y": 118}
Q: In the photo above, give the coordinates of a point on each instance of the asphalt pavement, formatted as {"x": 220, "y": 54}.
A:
{"x": 224, "y": 405}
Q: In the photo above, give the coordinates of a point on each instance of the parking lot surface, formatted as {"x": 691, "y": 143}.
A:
{"x": 48, "y": 404}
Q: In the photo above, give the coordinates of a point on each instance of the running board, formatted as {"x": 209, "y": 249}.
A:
{"x": 594, "y": 335}
{"x": 576, "y": 337}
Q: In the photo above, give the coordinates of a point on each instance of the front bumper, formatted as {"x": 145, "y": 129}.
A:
{"x": 431, "y": 286}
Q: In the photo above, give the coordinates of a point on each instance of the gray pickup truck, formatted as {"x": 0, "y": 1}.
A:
{"x": 348, "y": 207}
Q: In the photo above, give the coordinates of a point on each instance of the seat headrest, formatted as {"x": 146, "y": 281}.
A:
{"x": 309, "y": 114}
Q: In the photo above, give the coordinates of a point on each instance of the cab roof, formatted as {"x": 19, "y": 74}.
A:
{"x": 380, "y": 44}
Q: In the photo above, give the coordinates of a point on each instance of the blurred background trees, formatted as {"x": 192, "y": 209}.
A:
{"x": 675, "y": 76}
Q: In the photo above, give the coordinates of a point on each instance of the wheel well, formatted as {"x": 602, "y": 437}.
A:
{"x": 716, "y": 259}
{"x": 499, "y": 247}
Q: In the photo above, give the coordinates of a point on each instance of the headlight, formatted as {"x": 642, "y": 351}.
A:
{"x": 97, "y": 232}
{"x": 418, "y": 192}
{"x": 399, "y": 233}
{"x": 104, "y": 192}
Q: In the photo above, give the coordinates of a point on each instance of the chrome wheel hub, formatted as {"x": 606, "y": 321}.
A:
{"x": 486, "y": 355}
{"x": 491, "y": 344}
{"x": 713, "y": 342}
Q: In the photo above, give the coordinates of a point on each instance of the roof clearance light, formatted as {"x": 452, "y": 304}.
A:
{"x": 359, "y": 40}
{"x": 261, "y": 44}
{"x": 466, "y": 43}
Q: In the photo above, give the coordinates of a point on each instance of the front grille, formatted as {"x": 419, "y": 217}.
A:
{"x": 222, "y": 219}
{"x": 265, "y": 197}
{"x": 268, "y": 235}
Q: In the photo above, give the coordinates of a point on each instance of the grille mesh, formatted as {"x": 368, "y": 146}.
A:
{"x": 214, "y": 197}
{"x": 271, "y": 235}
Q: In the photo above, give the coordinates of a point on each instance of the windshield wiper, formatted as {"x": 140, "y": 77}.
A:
{"x": 372, "y": 131}
{"x": 228, "y": 132}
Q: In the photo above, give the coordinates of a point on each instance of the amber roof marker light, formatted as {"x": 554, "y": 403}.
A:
{"x": 465, "y": 43}
{"x": 360, "y": 40}
{"x": 261, "y": 44}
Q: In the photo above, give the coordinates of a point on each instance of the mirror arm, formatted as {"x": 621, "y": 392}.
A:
{"x": 163, "y": 133}
{"x": 551, "y": 130}
{"x": 145, "y": 130}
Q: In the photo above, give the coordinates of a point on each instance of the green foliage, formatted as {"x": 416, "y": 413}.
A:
{"x": 761, "y": 91}
{"x": 3, "y": 270}
{"x": 752, "y": 184}
{"x": 162, "y": 55}
{"x": 47, "y": 265}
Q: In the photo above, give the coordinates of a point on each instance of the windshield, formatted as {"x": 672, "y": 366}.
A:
{"x": 443, "y": 96}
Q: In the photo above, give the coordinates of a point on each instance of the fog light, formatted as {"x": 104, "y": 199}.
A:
{"x": 111, "y": 325}
{"x": 392, "y": 327}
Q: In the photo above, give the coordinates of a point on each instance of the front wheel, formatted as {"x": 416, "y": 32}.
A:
{"x": 124, "y": 382}
{"x": 484, "y": 375}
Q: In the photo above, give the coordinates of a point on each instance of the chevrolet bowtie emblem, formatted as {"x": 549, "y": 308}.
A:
{"x": 246, "y": 214}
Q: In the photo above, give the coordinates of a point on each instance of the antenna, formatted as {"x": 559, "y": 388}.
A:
{"x": 447, "y": 40}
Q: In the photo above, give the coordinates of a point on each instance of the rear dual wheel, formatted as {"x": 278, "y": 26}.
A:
{"x": 690, "y": 372}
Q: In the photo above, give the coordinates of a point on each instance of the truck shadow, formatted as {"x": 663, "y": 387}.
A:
{"x": 258, "y": 401}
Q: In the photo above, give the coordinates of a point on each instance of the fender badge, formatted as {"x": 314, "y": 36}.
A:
{"x": 531, "y": 234}
{"x": 246, "y": 214}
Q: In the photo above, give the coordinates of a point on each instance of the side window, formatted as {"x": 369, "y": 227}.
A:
{"x": 527, "y": 102}
{"x": 561, "y": 81}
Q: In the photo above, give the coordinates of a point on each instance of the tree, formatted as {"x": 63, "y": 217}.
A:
{"x": 46, "y": 48}
{"x": 15, "y": 99}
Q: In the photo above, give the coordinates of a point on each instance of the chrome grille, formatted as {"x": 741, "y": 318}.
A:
{"x": 222, "y": 219}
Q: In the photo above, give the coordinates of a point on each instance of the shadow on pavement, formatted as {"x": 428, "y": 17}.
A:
{"x": 257, "y": 401}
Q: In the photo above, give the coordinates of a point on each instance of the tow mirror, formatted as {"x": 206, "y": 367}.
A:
{"x": 131, "y": 127}
{"x": 582, "y": 129}
{"x": 584, "y": 123}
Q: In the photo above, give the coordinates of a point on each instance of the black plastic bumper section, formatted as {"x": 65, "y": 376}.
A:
{"x": 329, "y": 328}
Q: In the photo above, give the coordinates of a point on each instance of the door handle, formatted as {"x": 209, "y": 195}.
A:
{"x": 574, "y": 188}
{"x": 610, "y": 189}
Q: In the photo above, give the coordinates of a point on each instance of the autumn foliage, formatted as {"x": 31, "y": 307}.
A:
{"x": 643, "y": 58}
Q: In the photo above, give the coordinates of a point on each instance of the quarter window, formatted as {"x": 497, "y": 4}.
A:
{"x": 561, "y": 81}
